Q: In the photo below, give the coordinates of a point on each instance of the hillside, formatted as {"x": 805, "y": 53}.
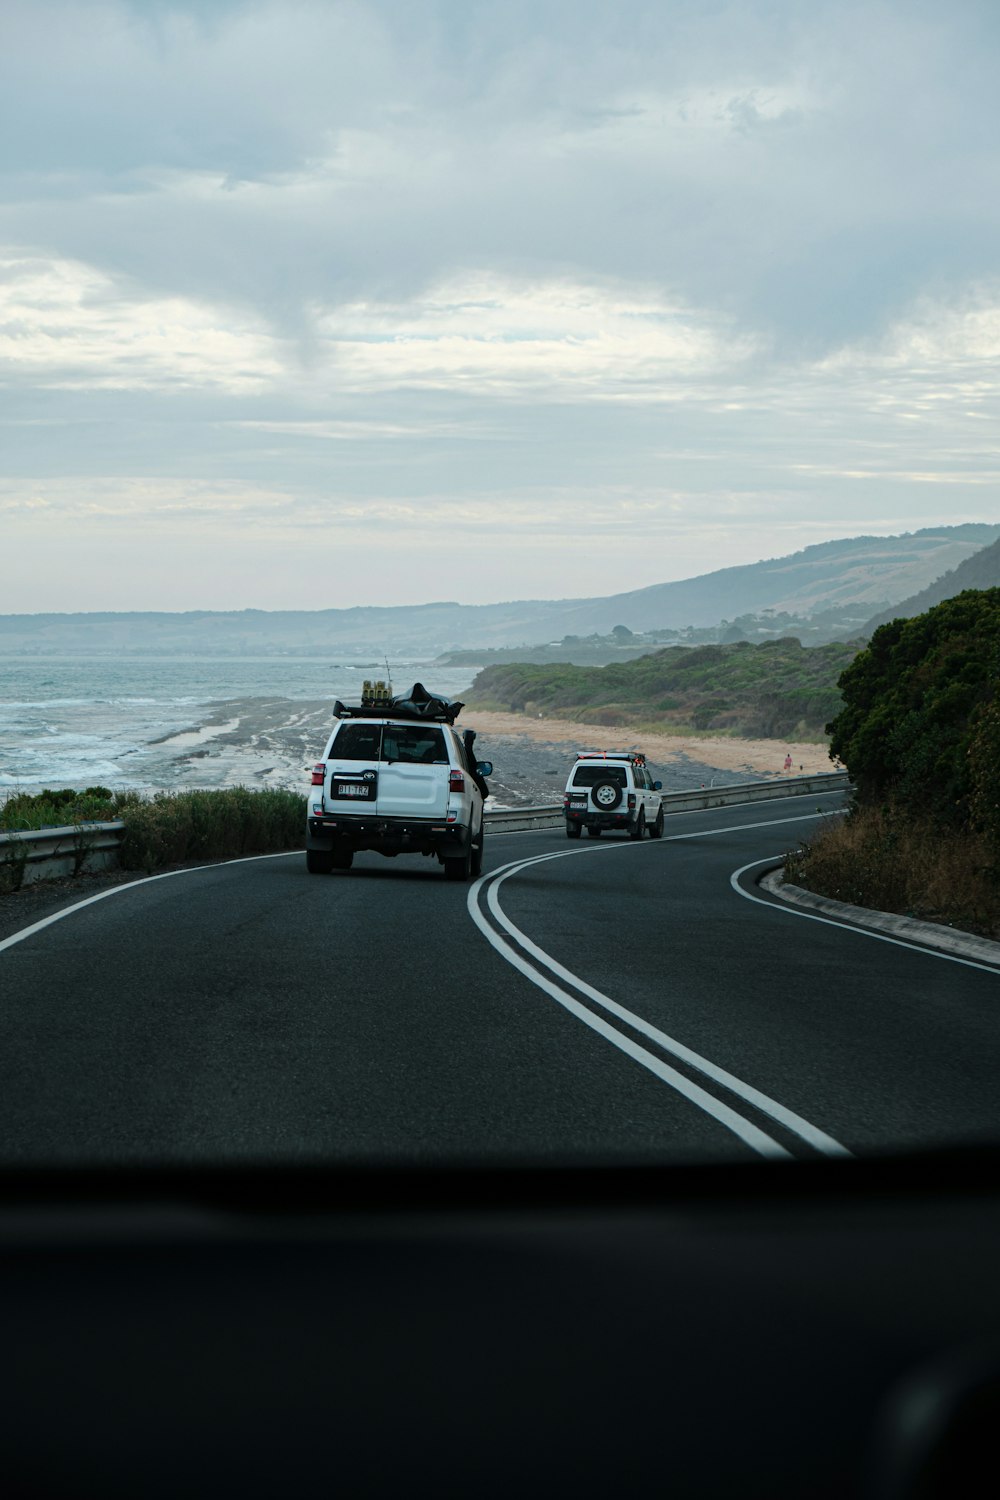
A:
{"x": 980, "y": 571}
{"x": 872, "y": 572}
{"x": 776, "y": 690}
{"x": 866, "y": 569}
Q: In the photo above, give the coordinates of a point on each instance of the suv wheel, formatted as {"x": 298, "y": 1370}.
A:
{"x": 656, "y": 832}
{"x": 606, "y": 795}
{"x": 319, "y": 861}
{"x": 639, "y": 826}
{"x": 342, "y": 860}
{"x": 476, "y": 860}
{"x": 573, "y": 830}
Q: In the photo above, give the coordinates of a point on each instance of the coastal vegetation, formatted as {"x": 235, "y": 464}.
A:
{"x": 164, "y": 828}
{"x": 777, "y": 689}
{"x": 919, "y": 732}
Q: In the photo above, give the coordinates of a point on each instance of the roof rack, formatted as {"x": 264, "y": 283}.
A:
{"x": 637, "y": 757}
{"x": 418, "y": 705}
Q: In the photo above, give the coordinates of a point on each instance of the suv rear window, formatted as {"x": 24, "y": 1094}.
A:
{"x": 415, "y": 744}
{"x": 356, "y": 742}
{"x": 591, "y": 775}
{"x": 421, "y": 745}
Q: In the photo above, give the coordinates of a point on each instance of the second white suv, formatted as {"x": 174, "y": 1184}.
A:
{"x": 612, "y": 789}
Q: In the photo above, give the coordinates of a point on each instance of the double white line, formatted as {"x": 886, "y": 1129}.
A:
{"x": 758, "y": 1140}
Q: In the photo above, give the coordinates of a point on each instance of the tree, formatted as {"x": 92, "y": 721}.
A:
{"x": 915, "y": 702}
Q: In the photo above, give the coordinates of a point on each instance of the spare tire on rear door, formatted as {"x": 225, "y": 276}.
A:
{"x": 606, "y": 795}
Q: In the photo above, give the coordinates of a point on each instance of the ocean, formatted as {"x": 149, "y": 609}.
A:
{"x": 147, "y": 723}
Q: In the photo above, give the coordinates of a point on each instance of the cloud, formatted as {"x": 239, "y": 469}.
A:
{"x": 64, "y": 324}
{"x": 518, "y": 338}
{"x": 288, "y": 157}
{"x": 466, "y": 273}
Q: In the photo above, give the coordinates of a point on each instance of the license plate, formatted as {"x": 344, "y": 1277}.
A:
{"x": 351, "y": 789}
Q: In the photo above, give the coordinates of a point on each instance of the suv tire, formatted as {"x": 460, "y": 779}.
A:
{"x": 639, "y": 826}
{"x": 342, "y": 860}
{"x": 476, "y": 856}
{"x": 573, "y": 830}
{"x": 606, "y": 795}
{"x": 656, "y": 832}
{"x": 319, "y": 861}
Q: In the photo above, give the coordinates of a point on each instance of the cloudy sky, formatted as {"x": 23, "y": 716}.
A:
{"x": 312, "y": 304}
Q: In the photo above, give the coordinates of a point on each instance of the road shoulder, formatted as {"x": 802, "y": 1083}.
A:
{"x": 907, "y": 929}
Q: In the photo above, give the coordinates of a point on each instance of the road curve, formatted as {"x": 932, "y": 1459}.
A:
{"x": 599, "y": 1001}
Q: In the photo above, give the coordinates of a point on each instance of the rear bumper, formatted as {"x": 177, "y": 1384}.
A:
{"x": 387, "y": 835}
{"x": 620, "y": 818}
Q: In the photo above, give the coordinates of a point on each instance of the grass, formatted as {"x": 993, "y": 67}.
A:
{"x": 166, "y": 828}
{"x": 881, "y": 858}
{"x": 777, "y": 690}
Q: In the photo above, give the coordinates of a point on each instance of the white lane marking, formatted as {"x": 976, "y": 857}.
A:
{"x": 130, "y": 885}
{"x": 868, "y": 932}
{"x": 807, "y": 1132}
{"x": 691, "y": 812}
{"x": 675, "y": 838}
{"x": 756, "y": 1139}
{"x": 26, "y": 932}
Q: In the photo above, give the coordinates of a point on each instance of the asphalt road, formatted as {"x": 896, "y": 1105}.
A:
{"x": 598, "y": 1000}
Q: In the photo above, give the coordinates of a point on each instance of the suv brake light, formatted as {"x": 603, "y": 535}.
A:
{"x": 318, "y": 772}
{"x": 631, "y": 799}
{"x": 456, "y": 782}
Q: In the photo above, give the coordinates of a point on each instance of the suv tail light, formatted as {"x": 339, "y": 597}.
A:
{"x": 631, "y": 800}
{"x": 318, "y": 772}
{"x": 456, "y": 782}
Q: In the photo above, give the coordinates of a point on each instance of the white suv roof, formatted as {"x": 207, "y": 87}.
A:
{"x": 635, "y": 757}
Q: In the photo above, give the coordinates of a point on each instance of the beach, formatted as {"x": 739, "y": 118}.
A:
{"x": 274, "y": 741}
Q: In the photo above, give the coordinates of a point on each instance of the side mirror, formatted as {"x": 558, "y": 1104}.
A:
{"x": 484, "y": 767}
{"x": 657, "y": 786}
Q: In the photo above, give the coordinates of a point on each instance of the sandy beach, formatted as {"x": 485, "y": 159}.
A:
{"x": 758, "y": 757}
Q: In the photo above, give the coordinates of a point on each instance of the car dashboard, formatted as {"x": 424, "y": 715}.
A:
{"x": 801, "y": 1330}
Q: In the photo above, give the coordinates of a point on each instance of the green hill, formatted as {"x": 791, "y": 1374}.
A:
{"x": 776, "y": 690}
{"x": 980, "y": 571}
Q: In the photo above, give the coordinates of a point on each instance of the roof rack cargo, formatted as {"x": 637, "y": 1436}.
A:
{"x": 636, "y": 756}
{"x": 418, "y": 704}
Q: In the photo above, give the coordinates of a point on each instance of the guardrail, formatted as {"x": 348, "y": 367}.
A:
{"x": 695, "y": 799}
{"x": 50, "y": 852}
{"x": 44, "y": 854}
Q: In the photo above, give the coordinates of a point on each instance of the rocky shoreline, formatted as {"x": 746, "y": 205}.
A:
{"x": 273, "y": 742}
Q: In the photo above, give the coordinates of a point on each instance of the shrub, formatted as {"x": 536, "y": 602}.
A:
{"x": 888, "y": 860}
{"x": 172, "y": 827}
{"x": 53, "y": 809}
{"x": 915, "y": 703}
{"x": 766, "y": 689}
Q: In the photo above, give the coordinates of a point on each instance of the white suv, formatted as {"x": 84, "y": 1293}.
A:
{"x": 398, "y": 777}
{"x": 612, "y": 789}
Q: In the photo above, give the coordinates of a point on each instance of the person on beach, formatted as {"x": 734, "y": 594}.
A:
{"x": 788, "y": 761}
